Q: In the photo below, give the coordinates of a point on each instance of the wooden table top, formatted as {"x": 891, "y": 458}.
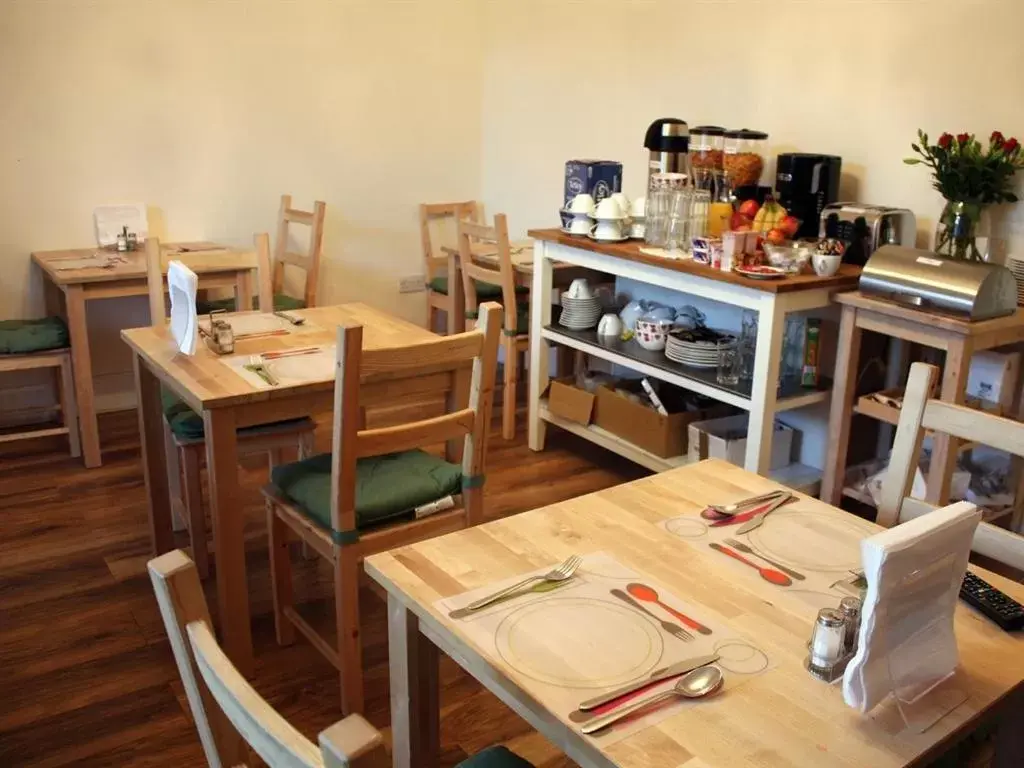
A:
{"x": 846, "y": 278}
{"x": 521, "y": 253}
{"x": 205, "y": 382}
{"x": 933, "y": 319}
{"x": 135, "y": 262}
{"x": 782, "y": 716}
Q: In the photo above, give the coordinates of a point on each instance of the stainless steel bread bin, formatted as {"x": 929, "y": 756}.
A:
{"x": 924, "y": 280}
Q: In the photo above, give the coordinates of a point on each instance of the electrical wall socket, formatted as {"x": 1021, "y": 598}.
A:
{"x": 412, "y": 284}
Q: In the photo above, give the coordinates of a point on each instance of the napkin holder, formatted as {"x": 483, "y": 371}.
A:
{"x": 221, "y": 336}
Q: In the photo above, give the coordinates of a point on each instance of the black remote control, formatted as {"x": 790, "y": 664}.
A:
{"x": 998, "y": 606}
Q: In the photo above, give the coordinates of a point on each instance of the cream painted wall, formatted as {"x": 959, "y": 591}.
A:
{"x": 209, "y": 111}
{"x": 566, "y": 79}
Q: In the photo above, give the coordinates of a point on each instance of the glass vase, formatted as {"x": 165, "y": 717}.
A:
{"x": 962, "y": 231}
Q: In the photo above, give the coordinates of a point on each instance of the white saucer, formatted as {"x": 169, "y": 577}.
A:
{"x": 609, "y": 239}
{"x": 574, "y": 234}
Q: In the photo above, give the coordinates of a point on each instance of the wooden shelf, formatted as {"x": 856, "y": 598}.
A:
{"x": 703, "y": 381}
{"x": 799, "y": 477}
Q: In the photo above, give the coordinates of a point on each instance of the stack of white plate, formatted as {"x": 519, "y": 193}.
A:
{"x": 1017, "y": 268}
{"x": 698, "y": 354}
{"x": 580, "y": 314}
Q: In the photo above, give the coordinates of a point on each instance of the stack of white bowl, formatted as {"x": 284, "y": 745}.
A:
{"x": 1016, "y": 266}
{"x": 581, "y": 306}
{"x": 581, "y": 212}
{"x": 638, "y": 218}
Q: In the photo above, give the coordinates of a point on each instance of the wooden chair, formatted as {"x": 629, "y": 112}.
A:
{"x": 317, "y": 498}
{"x": 229, "y": 713}
{"x": 436, "y": 264}
{"x": 515, "y": 334}
{"x": 184, "y": 443}
{"x": 919, "y": 413}
{"x": 45, "y": 345}
{"x": 309, "y": 261}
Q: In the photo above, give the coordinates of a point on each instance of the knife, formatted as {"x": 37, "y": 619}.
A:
{"x": 756, "y": 520}
{"x": 677, "y": 669}
{"x": 744, "y": 517}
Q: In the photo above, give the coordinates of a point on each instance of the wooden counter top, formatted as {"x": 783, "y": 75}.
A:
{"x": 934, "y": 319}
{"x": 845, "y": 279}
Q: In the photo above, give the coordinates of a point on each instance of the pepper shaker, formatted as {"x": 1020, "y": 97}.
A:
{"x": 850, "y": 608}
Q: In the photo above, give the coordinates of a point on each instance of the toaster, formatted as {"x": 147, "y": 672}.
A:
{"x": 865, "y": 228}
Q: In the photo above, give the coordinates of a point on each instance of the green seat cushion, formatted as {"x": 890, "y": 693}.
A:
{"x": 484, "y": 290}
{"x": 21, "y": 337}
{"x": 187, "y": 425}
{"x": 282, "y": 303}
{"x": 522, "y": 318}
{"x": 386, "y": 486}
{"x": 495, "y": 757}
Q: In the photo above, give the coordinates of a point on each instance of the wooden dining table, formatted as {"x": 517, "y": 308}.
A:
{"x": 214, "y": 387}
{"x": 70, "y": 281}
{"x": 534, "y": 652}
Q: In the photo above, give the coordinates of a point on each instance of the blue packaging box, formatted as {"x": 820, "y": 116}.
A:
{"x": 599, "y": 178}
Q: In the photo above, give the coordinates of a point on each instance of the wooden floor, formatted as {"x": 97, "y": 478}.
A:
{"x": 86, "y": 674}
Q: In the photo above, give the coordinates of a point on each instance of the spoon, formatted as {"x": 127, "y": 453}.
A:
{"x": 716, "y": 511}
{"x": 692, "y": 685}
{"x": 650, "y": 595}
{"x": 768, "y": 574}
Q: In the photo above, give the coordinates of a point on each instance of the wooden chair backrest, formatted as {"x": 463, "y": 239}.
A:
{"x": 445, "y": 354}
{"x": 228, "y": 712}
{"x": 157, "y": 261}
{"x": 920, "y": 413}
{"x": 503, "y": 274}
{"x": 308, "y": 261}
{"x": 431, "y": 213}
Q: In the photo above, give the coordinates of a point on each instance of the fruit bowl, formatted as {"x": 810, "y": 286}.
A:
{"x": 790, "y": 255}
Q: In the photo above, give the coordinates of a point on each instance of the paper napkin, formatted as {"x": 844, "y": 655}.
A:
{"x": 182, "y": 284}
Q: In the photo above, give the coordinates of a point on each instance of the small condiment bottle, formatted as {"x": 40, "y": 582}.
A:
{"x": 122, "y": 240}
{"x": 850, "y": 608}
{"x": 828, "y": 639}
{"x": 133, "y": 241}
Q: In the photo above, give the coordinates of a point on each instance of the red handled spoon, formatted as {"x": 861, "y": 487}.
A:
{"x": 768, "y": 574}
{"x": 650, "y": 595}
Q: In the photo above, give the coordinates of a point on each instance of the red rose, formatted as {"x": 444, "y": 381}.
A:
{"x": 945, "y": 140}
{"x": 996, "y": 138}
{"x": 962, "y": 138}
{"x": 1011, "y": 146}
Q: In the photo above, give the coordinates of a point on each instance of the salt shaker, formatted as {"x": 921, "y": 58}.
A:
{"x": 850, "y": 608}
{"x": 828, "y": 640}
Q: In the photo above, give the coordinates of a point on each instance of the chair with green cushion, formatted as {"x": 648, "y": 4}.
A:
{"x": 515, "y": 339}
{"x": 282, "y": 303}
{"x": 184, "y": 438}
{"x": 378, "y": 489}
{"x": 233, "y": 718}
{"x": 36, "y": 344}
{"x": 440, "y": 216}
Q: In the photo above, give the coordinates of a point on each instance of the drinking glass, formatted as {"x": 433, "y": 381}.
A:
{"x": 679, "y": 220}
{"x": 728, "y": 363}
{"x": 700, "y": 205}
{"x": 748, "y": 344}
{"x": 658, "y": 210}
{"x": 792, "y": 351}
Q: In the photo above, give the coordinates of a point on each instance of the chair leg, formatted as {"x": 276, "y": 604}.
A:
{"x": 275, "y": 457}
{"x": 508, "y": 407}
{"x": 307, "y": 445}
{"x": 69, "y": 407}
{"x": 178, "y": 519}
{"x": 280, "y": 575}
{"x": 193, "y": 503}
{"x": 350, "y": 652}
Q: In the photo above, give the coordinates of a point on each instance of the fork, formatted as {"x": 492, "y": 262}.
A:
{"x": 671, "y": 627}
{"x": 563, "y": 572}
{"x": 739, "y": 545}
{"x": 260, "y": 369}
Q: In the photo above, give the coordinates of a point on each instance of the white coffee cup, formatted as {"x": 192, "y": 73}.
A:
{"x": 607, "y": 229}
{"x": 608, "y": 208}
{"x": 638, "y": 208}
{"x": 580, "y": 225}
{"x": 826, "y": 265}
{"x": 610, "y": 325}
{"x": 582, "y": 203}
{"x": 579, "y": 289}
{"x": 623, "y": 201}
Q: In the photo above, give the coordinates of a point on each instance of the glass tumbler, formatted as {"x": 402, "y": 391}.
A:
{"x": 728, "y": 363}
{"x": 658, "y": 212}
{"x": 680, "y": 211}
{"x": 748, "y": 344}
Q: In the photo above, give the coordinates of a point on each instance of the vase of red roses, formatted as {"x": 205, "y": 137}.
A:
{"x": 971, "y": 178}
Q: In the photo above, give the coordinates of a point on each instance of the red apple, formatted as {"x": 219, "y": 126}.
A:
{"x": 789, "y": 225}
{"x": 749, "y": 208}
{"x": 739, "y": 223}
{"x": 775, "y": 236}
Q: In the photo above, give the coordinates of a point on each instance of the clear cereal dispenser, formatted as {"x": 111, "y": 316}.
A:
{"x": 743, "y": 160}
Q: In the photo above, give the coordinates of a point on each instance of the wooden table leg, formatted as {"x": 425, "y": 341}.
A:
{"x": 154, "y": 457}
{"x": 540, "y": 349}
{"x": 456, "y": 297}
{"x": 844, "y": 387}
{"x": 415, "y": 708}
{"x": 771, "y": 326}
{"x": 944, "y": 447}
{"x": 81, "y": 361}
{"x": 226, "y": 509}
{"x": 1009, "y": 736}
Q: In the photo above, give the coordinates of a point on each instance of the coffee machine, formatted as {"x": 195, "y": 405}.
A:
{"x": 804, "y": 184}
{"x": 668, "y": 140}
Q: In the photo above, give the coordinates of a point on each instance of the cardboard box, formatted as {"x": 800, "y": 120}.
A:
{"x": 726, "y": 439}
{"x": 664, "y": 436}
{"x": 569, "y": 401}
{"x": 600, "y": 178}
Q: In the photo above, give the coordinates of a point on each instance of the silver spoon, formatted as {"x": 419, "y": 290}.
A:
{"x": 692, "y": 685}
